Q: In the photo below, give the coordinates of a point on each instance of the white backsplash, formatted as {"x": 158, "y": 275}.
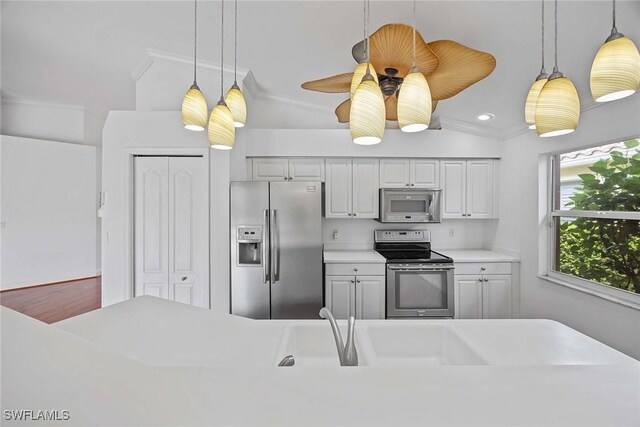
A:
{"x": 450, "y": 234}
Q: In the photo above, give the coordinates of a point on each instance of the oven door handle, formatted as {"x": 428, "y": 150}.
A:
{"x": 425, "y": 269}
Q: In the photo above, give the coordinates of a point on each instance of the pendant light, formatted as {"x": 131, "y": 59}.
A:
{"x": 536, "y": 87}
{"x": 615, "y": 72}
{"x": 222, "y": 132}
{"x": 367, "y": 114}
{"x": 414, "y": 100}
{"x": 194, "y": 105}
{"x": 235, "y": 99}
{"x": 558, "y": 107}
{"x": 361, "y": 69}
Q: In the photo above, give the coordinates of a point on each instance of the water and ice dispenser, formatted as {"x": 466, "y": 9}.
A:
{"x": 249, "y": 245}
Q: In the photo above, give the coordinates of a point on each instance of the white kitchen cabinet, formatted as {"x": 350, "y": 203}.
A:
{"x": 340, "y": 295}
{"x": 360, "y": 294}
{"x": 370, "y": 297}
{"x": 351, "y": 189}
{"x": 483, "y": 297}
{"x": 285, "y": 169}
{"x": 403, "y": 173}
{"x": 468, "y": 189}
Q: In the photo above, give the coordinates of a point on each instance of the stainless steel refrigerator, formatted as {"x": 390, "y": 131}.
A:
{"x": 276, "y": 249}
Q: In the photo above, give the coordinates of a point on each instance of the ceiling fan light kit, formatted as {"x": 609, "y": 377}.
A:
{"x": 222, "y": 131}
{"x": 615, "y": 73}
{"x": 194, "y": 105}
{"x": 558, "y": 107}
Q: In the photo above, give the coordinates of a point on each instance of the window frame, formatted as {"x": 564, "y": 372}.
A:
{"x": 610, "y": 293}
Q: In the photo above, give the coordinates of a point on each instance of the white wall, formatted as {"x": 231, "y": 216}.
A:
{"x": 522, "y": 226}
{"x": 49, "y": 211}
{"x": 125, "y": 130}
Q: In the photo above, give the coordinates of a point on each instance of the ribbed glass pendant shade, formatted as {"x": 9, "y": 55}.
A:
{"x": 615, "y": 72}
{"x": 222, "y": 132}
{"x": 558, "y": 108}
{"x": 414, "y": 103}
{"x": 359, "y": 73}
{"x": 237, "y": 105}
{"x": 367, "y": 114}
{"x": 532, "y": 101}
{"x": 194, "y": 109}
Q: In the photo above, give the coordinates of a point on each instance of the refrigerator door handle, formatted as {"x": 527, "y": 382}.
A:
{"x": 266, "y": 262}
{"x": 275, "y": 247}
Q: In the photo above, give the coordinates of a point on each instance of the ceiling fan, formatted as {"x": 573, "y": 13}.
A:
{"x": 448, "y": 66}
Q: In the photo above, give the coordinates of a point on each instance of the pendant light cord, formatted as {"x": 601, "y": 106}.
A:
{"x": 195, "y": 39}
{"x": 222, "y": 54}
{"x": 235, "y": 45}
{"x": 614, "y": 15}
{"x": 364, "y": 28}
{"x": 556, "y": 35}
{"x": 543, "y": 35}
{"x": 367, "y": 30}
{"x": 414, "y": 33}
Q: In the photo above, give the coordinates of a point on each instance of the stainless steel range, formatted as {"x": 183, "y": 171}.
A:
{"x": 419, "y": 280}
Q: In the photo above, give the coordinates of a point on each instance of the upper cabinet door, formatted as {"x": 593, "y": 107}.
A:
{"x": 425, "y": 173}
{"x": 365, "y": 188}
{"x": 311, "y": 169}
{"x": 270, "y": 169}
{"x": 479, "y": 189}
{"x": 394, "y": 173}
{"x": 453, "y": 181}
{"x": 338, "y": 189}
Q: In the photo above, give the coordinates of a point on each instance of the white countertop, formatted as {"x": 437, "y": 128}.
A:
{"x": 476, "y": 255}
{"x": 152, "y": 362}
{"x": 352, "y": 256}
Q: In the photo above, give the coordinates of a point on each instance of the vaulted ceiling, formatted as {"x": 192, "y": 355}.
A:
{"x": 84, "y": 52}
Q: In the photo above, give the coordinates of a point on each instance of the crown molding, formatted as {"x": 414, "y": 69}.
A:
{"x": 470, "y": 128}
{"x": 152, "y": 56}
{"x": 256, "y": 92}
{"x": 29, "y": 102}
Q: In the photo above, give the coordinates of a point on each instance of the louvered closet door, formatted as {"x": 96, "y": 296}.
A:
{"x": 171, "y": 237}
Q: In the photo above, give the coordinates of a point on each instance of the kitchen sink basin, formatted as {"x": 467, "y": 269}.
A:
{"x": 425, "y": 345}
{"x": 314, "y": 345}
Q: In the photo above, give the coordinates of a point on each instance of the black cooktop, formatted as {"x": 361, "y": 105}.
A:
{"x": 424, "y": 256}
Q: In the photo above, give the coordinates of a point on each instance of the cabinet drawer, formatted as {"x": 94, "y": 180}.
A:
{"x": 355, "y": 269}
{"x": 477, "y": 268}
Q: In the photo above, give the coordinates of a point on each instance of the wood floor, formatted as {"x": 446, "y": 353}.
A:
{"x": 57, "y": 301}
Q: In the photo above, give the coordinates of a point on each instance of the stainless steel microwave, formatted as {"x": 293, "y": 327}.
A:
{"x": 410, "y": 205}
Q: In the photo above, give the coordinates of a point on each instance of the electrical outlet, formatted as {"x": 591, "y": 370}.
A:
{"x": 336, "y": 235}
{"x": 452, "y": 232}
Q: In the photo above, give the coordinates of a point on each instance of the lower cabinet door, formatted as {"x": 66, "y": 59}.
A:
{"x": 496, "y": 297}
{"x": 340, "y": 293}
{"x": 468, "y": 297}
{"x": 370, "y": 297}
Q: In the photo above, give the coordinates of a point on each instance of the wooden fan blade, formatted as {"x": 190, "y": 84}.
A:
{"x": 340, "y": 83}
{"x": 459, "y": 68}
{"x": 434, "y": 104}
{"x": 343, "y": 111}
{"x": 391, "y": 108}
{"x": 392, "y": 47}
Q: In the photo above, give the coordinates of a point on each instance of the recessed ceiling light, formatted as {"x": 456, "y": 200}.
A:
{"x": 485, "y": 117}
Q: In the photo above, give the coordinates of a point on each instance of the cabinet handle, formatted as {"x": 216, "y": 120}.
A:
{"x": 349, "y": 214}
{"x": 354, "y": 214}
{"x": 355, "y": 269}
{"x": 286, "y": 179}
{"x": 483, "y": 269}
{"x": 353, "y": 281}
{"x": 464, "y": 214}
{"x": 290, "y": 179}
{"x": 486, "y": 280}
{"x": 468, "y": 214}
{"x": 357, "y": 281}
{"x": 412, "y": 184}
{"x": 480, "y": 280}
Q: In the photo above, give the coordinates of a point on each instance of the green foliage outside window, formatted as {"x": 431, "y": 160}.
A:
{"x": 605, "y": 250}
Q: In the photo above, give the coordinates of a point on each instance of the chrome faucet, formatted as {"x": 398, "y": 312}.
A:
{"x": 346, "y": 352}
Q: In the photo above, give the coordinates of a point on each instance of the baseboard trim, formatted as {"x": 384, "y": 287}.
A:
{"x": 48, "y": 284}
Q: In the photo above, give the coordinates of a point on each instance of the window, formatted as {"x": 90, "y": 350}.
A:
{"x": 595, "y": 215}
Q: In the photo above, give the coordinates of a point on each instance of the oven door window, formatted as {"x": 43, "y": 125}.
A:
{"x": 421, "y": 290}
{"x": 408, "y": 206}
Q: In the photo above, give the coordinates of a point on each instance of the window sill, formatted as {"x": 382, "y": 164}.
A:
{"x": 630, "y": 301}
